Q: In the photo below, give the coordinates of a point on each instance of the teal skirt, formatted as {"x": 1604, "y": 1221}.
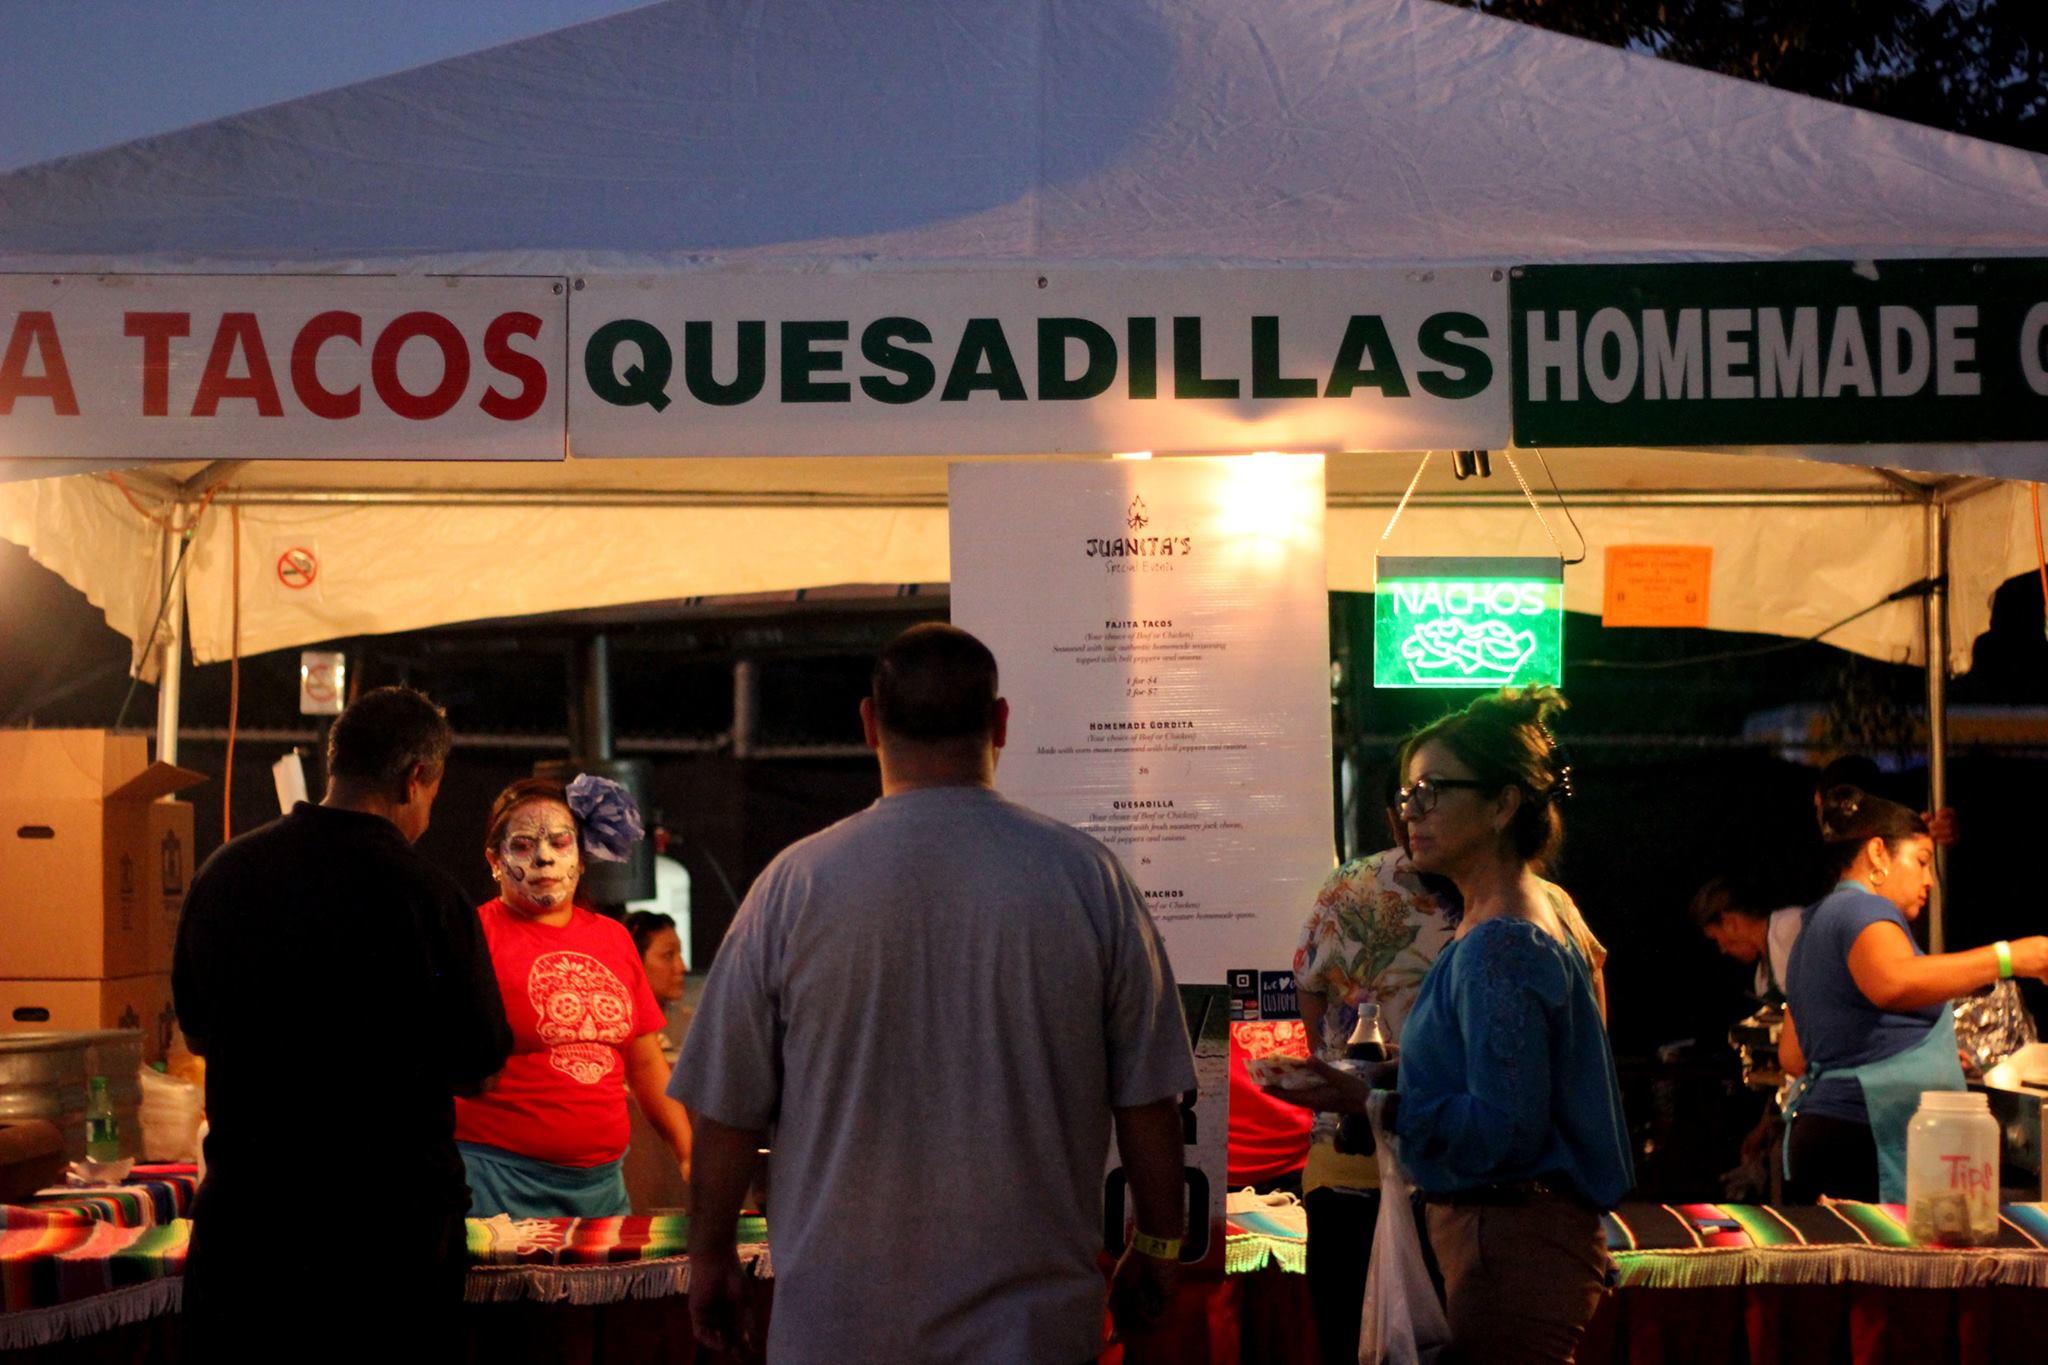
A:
{"x": 508, "y": 1183}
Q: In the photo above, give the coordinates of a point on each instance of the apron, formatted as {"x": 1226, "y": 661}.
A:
{"x": 1891, "y": 1092}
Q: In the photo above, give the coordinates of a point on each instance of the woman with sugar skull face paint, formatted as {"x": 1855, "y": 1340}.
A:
{"x": 550, "y": 1139}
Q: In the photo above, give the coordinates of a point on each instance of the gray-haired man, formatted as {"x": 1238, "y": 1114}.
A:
{"x": 338, "y": 986}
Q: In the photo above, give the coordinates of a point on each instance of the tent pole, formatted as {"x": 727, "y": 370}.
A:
{"x": 170, "y": 645}
{"x": 1934, "y": 620}
{"x": 591, "y": 716}
{"x": 745, "y": 698}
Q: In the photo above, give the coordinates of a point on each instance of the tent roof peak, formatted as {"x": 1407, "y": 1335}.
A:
{"x": 985, "y": 131}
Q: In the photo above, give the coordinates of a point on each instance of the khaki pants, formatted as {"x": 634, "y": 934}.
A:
{"x": 1521, "y": 1281}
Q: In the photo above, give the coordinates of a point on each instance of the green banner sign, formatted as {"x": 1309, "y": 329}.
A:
{"x": 1459, "y": 621}
{"x": 1782, "y": 353}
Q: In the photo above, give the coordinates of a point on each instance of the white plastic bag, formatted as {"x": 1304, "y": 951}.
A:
{"x": 170, "y": 1117}
{"x": 1404, "y": 1323}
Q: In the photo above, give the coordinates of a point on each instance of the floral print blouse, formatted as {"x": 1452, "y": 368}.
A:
{"x": 1374, "y": 933}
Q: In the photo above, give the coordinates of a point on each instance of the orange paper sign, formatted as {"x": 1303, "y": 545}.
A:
{"x": 1657, "y": 585}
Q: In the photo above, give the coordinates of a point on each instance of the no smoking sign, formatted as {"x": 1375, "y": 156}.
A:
{"x": 323, "y": 679}
{"x": 297, "y": 567}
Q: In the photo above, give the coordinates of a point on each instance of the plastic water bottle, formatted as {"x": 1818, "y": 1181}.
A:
{"x": 1363, "y": 1050}
{"x": 1952, "y": 1170}
{"x": 102, "y": 1129}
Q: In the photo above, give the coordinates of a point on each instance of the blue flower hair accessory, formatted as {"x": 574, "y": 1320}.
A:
{"x": 611, "y": 822}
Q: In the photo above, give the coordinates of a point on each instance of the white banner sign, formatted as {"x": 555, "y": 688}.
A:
{"x": 1030, "y": 361}
{"x": 1162, "y": 628}
{"x": 194, "y": 367}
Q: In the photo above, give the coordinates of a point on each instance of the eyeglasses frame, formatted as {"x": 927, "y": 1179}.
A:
{"x": 1406, "y": 799}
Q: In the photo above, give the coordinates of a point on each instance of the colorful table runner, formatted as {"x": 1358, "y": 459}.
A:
{"x": 592, "y": 1260}
{"x": 72, "y": 1278}
{"x": 1687, "y": 1246}
{"x": 73, "y": 1265}
{"x": 590, "y": 1241}
{"x": 151, "y": 1195}
{"x": 1256, "y": 1234}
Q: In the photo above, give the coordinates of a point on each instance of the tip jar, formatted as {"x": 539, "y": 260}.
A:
{"x": 1952, "y": 1170}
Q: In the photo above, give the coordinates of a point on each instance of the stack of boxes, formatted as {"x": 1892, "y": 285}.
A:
{"x": 96, "y": 863}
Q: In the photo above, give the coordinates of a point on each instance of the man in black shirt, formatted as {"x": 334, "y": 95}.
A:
{"x": 339, "y": 988}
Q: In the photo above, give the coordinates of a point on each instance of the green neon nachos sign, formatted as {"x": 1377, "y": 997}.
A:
{"x": 1466, "y": 621}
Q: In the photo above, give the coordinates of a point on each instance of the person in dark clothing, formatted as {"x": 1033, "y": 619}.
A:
{"x": 332, "y": 904}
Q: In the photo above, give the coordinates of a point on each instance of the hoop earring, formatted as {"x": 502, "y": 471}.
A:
{"x": 1877, "y": 877}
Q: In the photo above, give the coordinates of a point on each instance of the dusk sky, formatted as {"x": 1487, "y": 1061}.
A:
{"x": 79, "y": 75}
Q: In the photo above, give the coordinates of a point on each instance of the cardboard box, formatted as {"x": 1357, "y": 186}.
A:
{"x": 168, "y": 839}
{"x": 142, "y": 1002}
{"x": 98, "y": 864}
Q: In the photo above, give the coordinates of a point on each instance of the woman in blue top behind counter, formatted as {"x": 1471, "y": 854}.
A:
{"x": 1868, "y": 1025}
{"x": 1507, "y": 1111}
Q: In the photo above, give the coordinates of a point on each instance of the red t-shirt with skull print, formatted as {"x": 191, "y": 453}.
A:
{"x": 575, "y": 995}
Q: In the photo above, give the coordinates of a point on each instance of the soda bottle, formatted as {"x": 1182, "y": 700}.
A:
{"x": 102, "y": 1129}
{"x": 1368, "y": 1041}
{"x": 1364, "y": 1049}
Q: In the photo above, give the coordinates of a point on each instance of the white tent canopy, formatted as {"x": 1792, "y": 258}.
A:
{"x": 1798, "y": 545}
{"x": 822, "y": 135}
{"x": 876, "y": 133}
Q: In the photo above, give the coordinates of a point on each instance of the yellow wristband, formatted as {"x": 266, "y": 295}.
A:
{"x": 2004, "y": 951}
{"x": 1158, "y": 1248}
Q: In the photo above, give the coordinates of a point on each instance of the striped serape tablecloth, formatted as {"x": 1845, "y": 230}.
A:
{"x": 590, "y": 1241}
{"x": 1686, "y": 1246}
{"x": 1259, "y": 1230}
{"x": 69, "y": 1268}
{"x": 82, "y": 1259}
{"x": 592, "y": 1260}
{"x": 1698, "y": 1245}
{"x": 151, "y": 1195}
{"x": 79, "y": 1275}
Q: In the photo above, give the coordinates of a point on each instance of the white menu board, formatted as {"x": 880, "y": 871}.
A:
{"x": 1162, "y": 629}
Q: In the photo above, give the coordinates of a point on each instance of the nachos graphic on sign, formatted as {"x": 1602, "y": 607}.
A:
{"x": 1449, "y": 649}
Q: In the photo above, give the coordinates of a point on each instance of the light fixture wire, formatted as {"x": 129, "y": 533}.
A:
{"x": 1540, "y": 519}
{"x": 1402, "y": 505}
{"x": 1527, "y": 492}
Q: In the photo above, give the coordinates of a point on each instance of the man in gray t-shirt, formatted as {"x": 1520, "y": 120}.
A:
{"x": 941, "y": 1006}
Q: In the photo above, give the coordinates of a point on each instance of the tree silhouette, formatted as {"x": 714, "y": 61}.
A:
{"x": 1970, "y": 66}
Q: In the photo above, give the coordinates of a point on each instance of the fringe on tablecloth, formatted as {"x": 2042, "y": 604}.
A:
{"x": 1244, "y": 1255}
{"x": 83, "y": 1317}
{"x": 587, "y": 1285}
{"x": 1884, "y": 1267}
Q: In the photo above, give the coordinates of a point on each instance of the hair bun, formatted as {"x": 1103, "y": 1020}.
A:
{"x": 1840, "y": 805}
{"x": 1536, "y": 705}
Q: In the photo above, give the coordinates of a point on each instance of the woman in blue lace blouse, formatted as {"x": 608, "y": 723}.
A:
{"x": 1507, "y": 1111}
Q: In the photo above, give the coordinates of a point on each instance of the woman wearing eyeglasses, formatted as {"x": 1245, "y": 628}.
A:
{"x": 1507, "y": 1109}
{"x": 1376, "y": 929}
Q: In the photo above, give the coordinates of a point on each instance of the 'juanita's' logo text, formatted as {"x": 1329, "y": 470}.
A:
{"x": 1132, "y": 547}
